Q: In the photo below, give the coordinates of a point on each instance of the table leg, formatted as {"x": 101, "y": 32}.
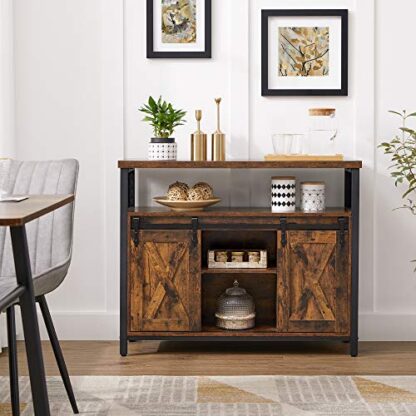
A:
{"x": 30, "y": 322}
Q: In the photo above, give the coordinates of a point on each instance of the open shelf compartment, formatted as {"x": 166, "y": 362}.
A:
{"x": 262, "y": 288}
{"x": 259, "y": 283}
{"x": 239, "y": 240}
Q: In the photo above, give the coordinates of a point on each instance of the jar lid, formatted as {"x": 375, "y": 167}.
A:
{"x": 235, "y": 290}
{"x": 283, "y": 178}
{"x": 322, "y": 111}
{"x": 312, "y": 183}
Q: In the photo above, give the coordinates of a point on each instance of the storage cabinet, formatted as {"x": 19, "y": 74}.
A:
{"x": 309, "y": 290}
{"x": 304, "y": 289}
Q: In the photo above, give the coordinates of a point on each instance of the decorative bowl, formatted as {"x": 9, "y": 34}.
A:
{"x": 186, "y": 205}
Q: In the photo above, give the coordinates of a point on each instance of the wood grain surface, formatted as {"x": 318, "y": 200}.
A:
{"x": 240, "y": 212}
{"x": 222, "y": 358}
{"x": 19, "y": 213}
{"x": 313, "y": 290}
{"x": 239, "y": 164}
{"x": 164, "y": 282}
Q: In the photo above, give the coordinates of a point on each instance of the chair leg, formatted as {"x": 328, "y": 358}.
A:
{"x": 57, "y": 351}
{"x": 13, "y": 367}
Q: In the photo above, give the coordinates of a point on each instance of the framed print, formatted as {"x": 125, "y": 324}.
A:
{"x": 179, "y": 28}
{"x": 304, "y": 52}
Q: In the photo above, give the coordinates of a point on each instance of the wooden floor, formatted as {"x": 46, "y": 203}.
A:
{"x": 215, "y": 358}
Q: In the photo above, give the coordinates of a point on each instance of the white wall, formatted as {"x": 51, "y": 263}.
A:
{"x": 81, "y": 74}
{"x": 7, "y": 141}
{"x": 6, "y": 79}
{"x": 69, "y": 104}
{"x": 394, "y": 281}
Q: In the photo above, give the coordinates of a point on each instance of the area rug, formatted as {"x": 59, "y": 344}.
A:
{"x": 227, "y": 396}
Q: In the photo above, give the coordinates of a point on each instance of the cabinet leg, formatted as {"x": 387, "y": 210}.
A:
{"x": 354, "y": 347}
{"x": 123, "y": 347}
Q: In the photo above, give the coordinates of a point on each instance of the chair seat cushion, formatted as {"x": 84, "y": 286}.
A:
{"x": 7, "y": 287}
{"x": 43, "y": 283}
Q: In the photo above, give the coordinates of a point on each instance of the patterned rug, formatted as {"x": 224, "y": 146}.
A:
{"x": 227, "y": 396}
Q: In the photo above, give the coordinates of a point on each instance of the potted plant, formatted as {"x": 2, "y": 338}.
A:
{"x": 402, "y": 150}
{"x": 164, "y": 119}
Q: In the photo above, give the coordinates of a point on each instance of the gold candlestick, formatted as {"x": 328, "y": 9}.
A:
{"x": 218, "y": 138}
{"x": 198, "y": 141}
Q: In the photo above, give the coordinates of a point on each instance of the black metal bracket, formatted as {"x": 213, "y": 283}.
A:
{"x": 195, "y": 231}
{"x": 135, "y": 227}
{"x": 131, "y": 188}
{"x": 283, "y": 228}
{"x": 342, "y": 230}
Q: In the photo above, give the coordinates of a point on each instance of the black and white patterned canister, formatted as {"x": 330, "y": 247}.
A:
{"x": 312, "y": 196}
{"x": 283, "y": 194}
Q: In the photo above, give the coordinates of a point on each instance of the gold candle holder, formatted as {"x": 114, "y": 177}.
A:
{"x": 218, "y": 138}
{"x": 198, "y": 141}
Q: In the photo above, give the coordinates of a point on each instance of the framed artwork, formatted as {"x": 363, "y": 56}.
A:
{"x": 304, "y": 52}
{"x": 179, "y": 28}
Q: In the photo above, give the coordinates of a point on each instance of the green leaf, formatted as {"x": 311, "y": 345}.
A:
{"x": 407, "y": 130}
{"x": 152, "y": 103}
{"x": 409, "y": 191}
{"x": 396, "y": 112}
{"x": 162, "y": 116}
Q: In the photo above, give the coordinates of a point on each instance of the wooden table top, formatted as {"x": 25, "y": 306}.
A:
{"x": 15, "y": 214}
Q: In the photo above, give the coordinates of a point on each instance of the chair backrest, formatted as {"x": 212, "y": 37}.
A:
{"x": 49, "y": 237}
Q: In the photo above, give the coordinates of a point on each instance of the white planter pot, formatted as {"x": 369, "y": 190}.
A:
{"x": 162, "y": 149}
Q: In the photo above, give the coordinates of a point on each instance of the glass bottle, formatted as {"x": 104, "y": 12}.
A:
{"x": 323, "y": 131}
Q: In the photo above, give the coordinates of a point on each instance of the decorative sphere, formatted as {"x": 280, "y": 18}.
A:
{"x": 204, "y": 189}
{"x": 177, "y": 191}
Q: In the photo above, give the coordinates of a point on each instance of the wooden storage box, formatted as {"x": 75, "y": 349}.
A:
{"x": 213, "y": 264}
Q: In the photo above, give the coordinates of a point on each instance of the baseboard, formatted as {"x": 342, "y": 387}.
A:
{"x": 379, "y": 326}
{"x": 81, "y": 326}
{"x": 105, "y": 326}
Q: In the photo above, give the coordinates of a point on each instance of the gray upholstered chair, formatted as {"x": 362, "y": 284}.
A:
{"x": 50, "y": 247}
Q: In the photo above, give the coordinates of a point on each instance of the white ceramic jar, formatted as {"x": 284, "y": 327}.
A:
{"x": 283, "y": 194}
{"x": 312, "y": 196}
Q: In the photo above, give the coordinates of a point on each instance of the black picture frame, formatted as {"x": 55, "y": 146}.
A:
{"x": 205, "y": 54}
{"x": 266, "y": 14}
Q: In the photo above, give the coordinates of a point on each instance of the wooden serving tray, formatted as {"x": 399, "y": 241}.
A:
{"x": 213, "y": 264}
{"x": 304, "y": 158}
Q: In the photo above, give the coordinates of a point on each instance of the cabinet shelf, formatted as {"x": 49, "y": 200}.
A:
{"x": 258, "y": 329}
{"x": 269, "y": 270}
{"x": 243, "y": 212}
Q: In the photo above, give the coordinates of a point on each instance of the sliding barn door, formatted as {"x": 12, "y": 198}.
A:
{"x": 165, "y": 281}
{"x": 313, "y": 282}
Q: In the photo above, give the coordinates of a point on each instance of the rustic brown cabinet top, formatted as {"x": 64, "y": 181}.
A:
{"x": 239, "y": 164}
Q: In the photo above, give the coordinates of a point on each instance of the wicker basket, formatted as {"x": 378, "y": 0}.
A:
{"x": 213, "y": 264}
